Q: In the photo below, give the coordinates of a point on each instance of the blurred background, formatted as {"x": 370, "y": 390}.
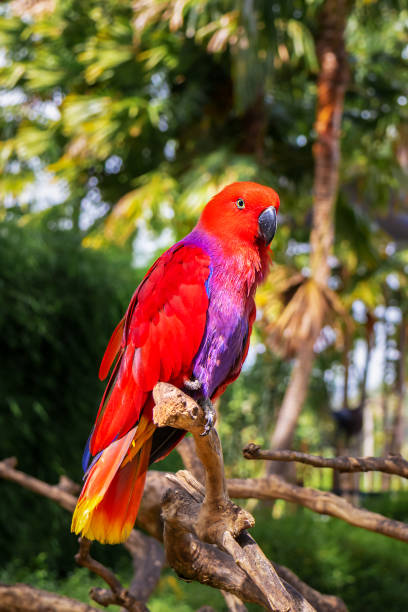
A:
{"x": 119, "y": 120}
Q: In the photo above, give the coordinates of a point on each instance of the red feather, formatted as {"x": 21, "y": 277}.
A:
{"x": 158, "y": 339}
{"x": 163, "y": 329}
{"x": 111, "y": 350}
{"x": 108, "y": 504}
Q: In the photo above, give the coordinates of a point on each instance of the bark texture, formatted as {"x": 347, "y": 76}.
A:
{"x": 25, "y": 598}
{"x": 391, "y": 464}
{"x": 203, "y": 531}
{"x": 274, "y": 487}
{"x": 196, "y": 516}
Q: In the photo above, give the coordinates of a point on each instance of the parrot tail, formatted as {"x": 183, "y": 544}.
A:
{"x": 107, "y": 507}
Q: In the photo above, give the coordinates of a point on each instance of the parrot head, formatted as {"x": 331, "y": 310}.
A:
{"x": 244, "y": 213}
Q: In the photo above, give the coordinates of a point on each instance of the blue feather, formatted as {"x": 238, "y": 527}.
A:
{"x": 86, "y": 457}
{"x": 207, "y": 282}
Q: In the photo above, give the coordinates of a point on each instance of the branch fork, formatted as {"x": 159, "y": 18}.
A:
{"x": 117, "y": 594}
{"x": 204, "y": 533}
{"x": 191, "y": 558}
{"x": 197, "y": 515}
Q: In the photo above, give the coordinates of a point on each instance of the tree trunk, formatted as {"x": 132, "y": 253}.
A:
{"x": 331, "y": 86}
{"x": 292, "y": 402}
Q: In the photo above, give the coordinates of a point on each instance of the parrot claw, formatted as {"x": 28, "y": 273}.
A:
{"x": 210, "y": 416}
{"x": 193, "y": 384}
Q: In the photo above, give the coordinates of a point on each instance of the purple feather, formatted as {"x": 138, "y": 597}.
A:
{"x": 229, "y": 310}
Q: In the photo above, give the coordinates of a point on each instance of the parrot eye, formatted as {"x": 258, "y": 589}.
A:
{"x": 240, "y": 203}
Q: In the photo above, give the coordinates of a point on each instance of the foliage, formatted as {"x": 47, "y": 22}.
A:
{"x": 119, "y": 120}
{"x": 247, "y": 409}
{"x": 60, "y": 304}
{"x": 111, "y": 110}
{"x": 136, "y": 113}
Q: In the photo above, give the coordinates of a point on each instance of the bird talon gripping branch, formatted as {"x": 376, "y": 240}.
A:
{"x": 210, "y": 416}
{"x": 189, "y": 320}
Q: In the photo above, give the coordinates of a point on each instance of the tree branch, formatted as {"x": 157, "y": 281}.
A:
{"x": 234, "y": 604}
{"x": 220, "y": 564}
{"x": 147, "y": 555}
{"x": 391, "y": 464}
{"x": 149, "y": 519}
{"x": 25, "y": 598}
{"x": 208, "y": 513}
{"x": 322, "y": 603}
{"x": 323, "y": 502}
{"x": 54, "y": 492}
{"x": 189, "y": 556}
{"x": 117, "y": 594}
{"x": 186, "y": 450}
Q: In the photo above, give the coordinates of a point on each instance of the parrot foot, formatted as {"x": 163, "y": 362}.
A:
{"x": 193, "y": 384}
{"x": 210, "y": 415}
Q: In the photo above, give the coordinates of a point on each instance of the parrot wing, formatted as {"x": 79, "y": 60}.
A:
{"x": 156, "y": 341}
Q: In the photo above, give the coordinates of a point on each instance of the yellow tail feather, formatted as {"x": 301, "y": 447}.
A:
{"x": 108, "y": 504}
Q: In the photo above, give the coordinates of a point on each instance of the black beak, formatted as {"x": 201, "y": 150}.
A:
{"x": 267, "y": 223}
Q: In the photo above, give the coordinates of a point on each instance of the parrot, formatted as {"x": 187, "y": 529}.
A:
{"x": 189, "y": 324}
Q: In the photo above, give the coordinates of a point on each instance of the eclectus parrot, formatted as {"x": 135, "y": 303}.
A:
{"x": 189, "y": 324}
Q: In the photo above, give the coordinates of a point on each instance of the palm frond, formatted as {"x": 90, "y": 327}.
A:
{"x": 294, "y": 309}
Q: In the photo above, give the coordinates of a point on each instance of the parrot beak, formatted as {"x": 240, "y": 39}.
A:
{"x": 267, "y": 223}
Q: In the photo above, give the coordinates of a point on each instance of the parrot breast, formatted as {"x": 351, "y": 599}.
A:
{"x": 231, "y": 287}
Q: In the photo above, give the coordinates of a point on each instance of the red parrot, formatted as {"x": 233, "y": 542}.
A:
{"x": 188, "y": 323}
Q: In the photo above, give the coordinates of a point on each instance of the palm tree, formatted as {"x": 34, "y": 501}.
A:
{"x": 331, "y": 86}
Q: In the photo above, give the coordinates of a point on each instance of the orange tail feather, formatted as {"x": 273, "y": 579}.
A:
{"x": 109, "y": 502}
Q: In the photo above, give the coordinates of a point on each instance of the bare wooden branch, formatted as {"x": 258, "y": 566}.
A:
{"x": 322, "y": 603}
{"x": 117, "y": 594}
{"x": 271, "y": 487}
{"x": 391, "y": 464}
{"x": 193, "y": 559}
{"x": 251, "y": 559}
{"x": 206, "y": 558}
{"x": 187, "y": 452}
{"x": 234, "y": 604}
{"x": 216, "y": 519}
{"x": 147, "y": 554}
{"x": 215, "y": 562}
{"x": 25, "y": 598}
{"x": 54, "y": 492}
{"x": 323, "y": 502}
{"x": 217, "y": 513}
{"x": 68, "y": 485}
